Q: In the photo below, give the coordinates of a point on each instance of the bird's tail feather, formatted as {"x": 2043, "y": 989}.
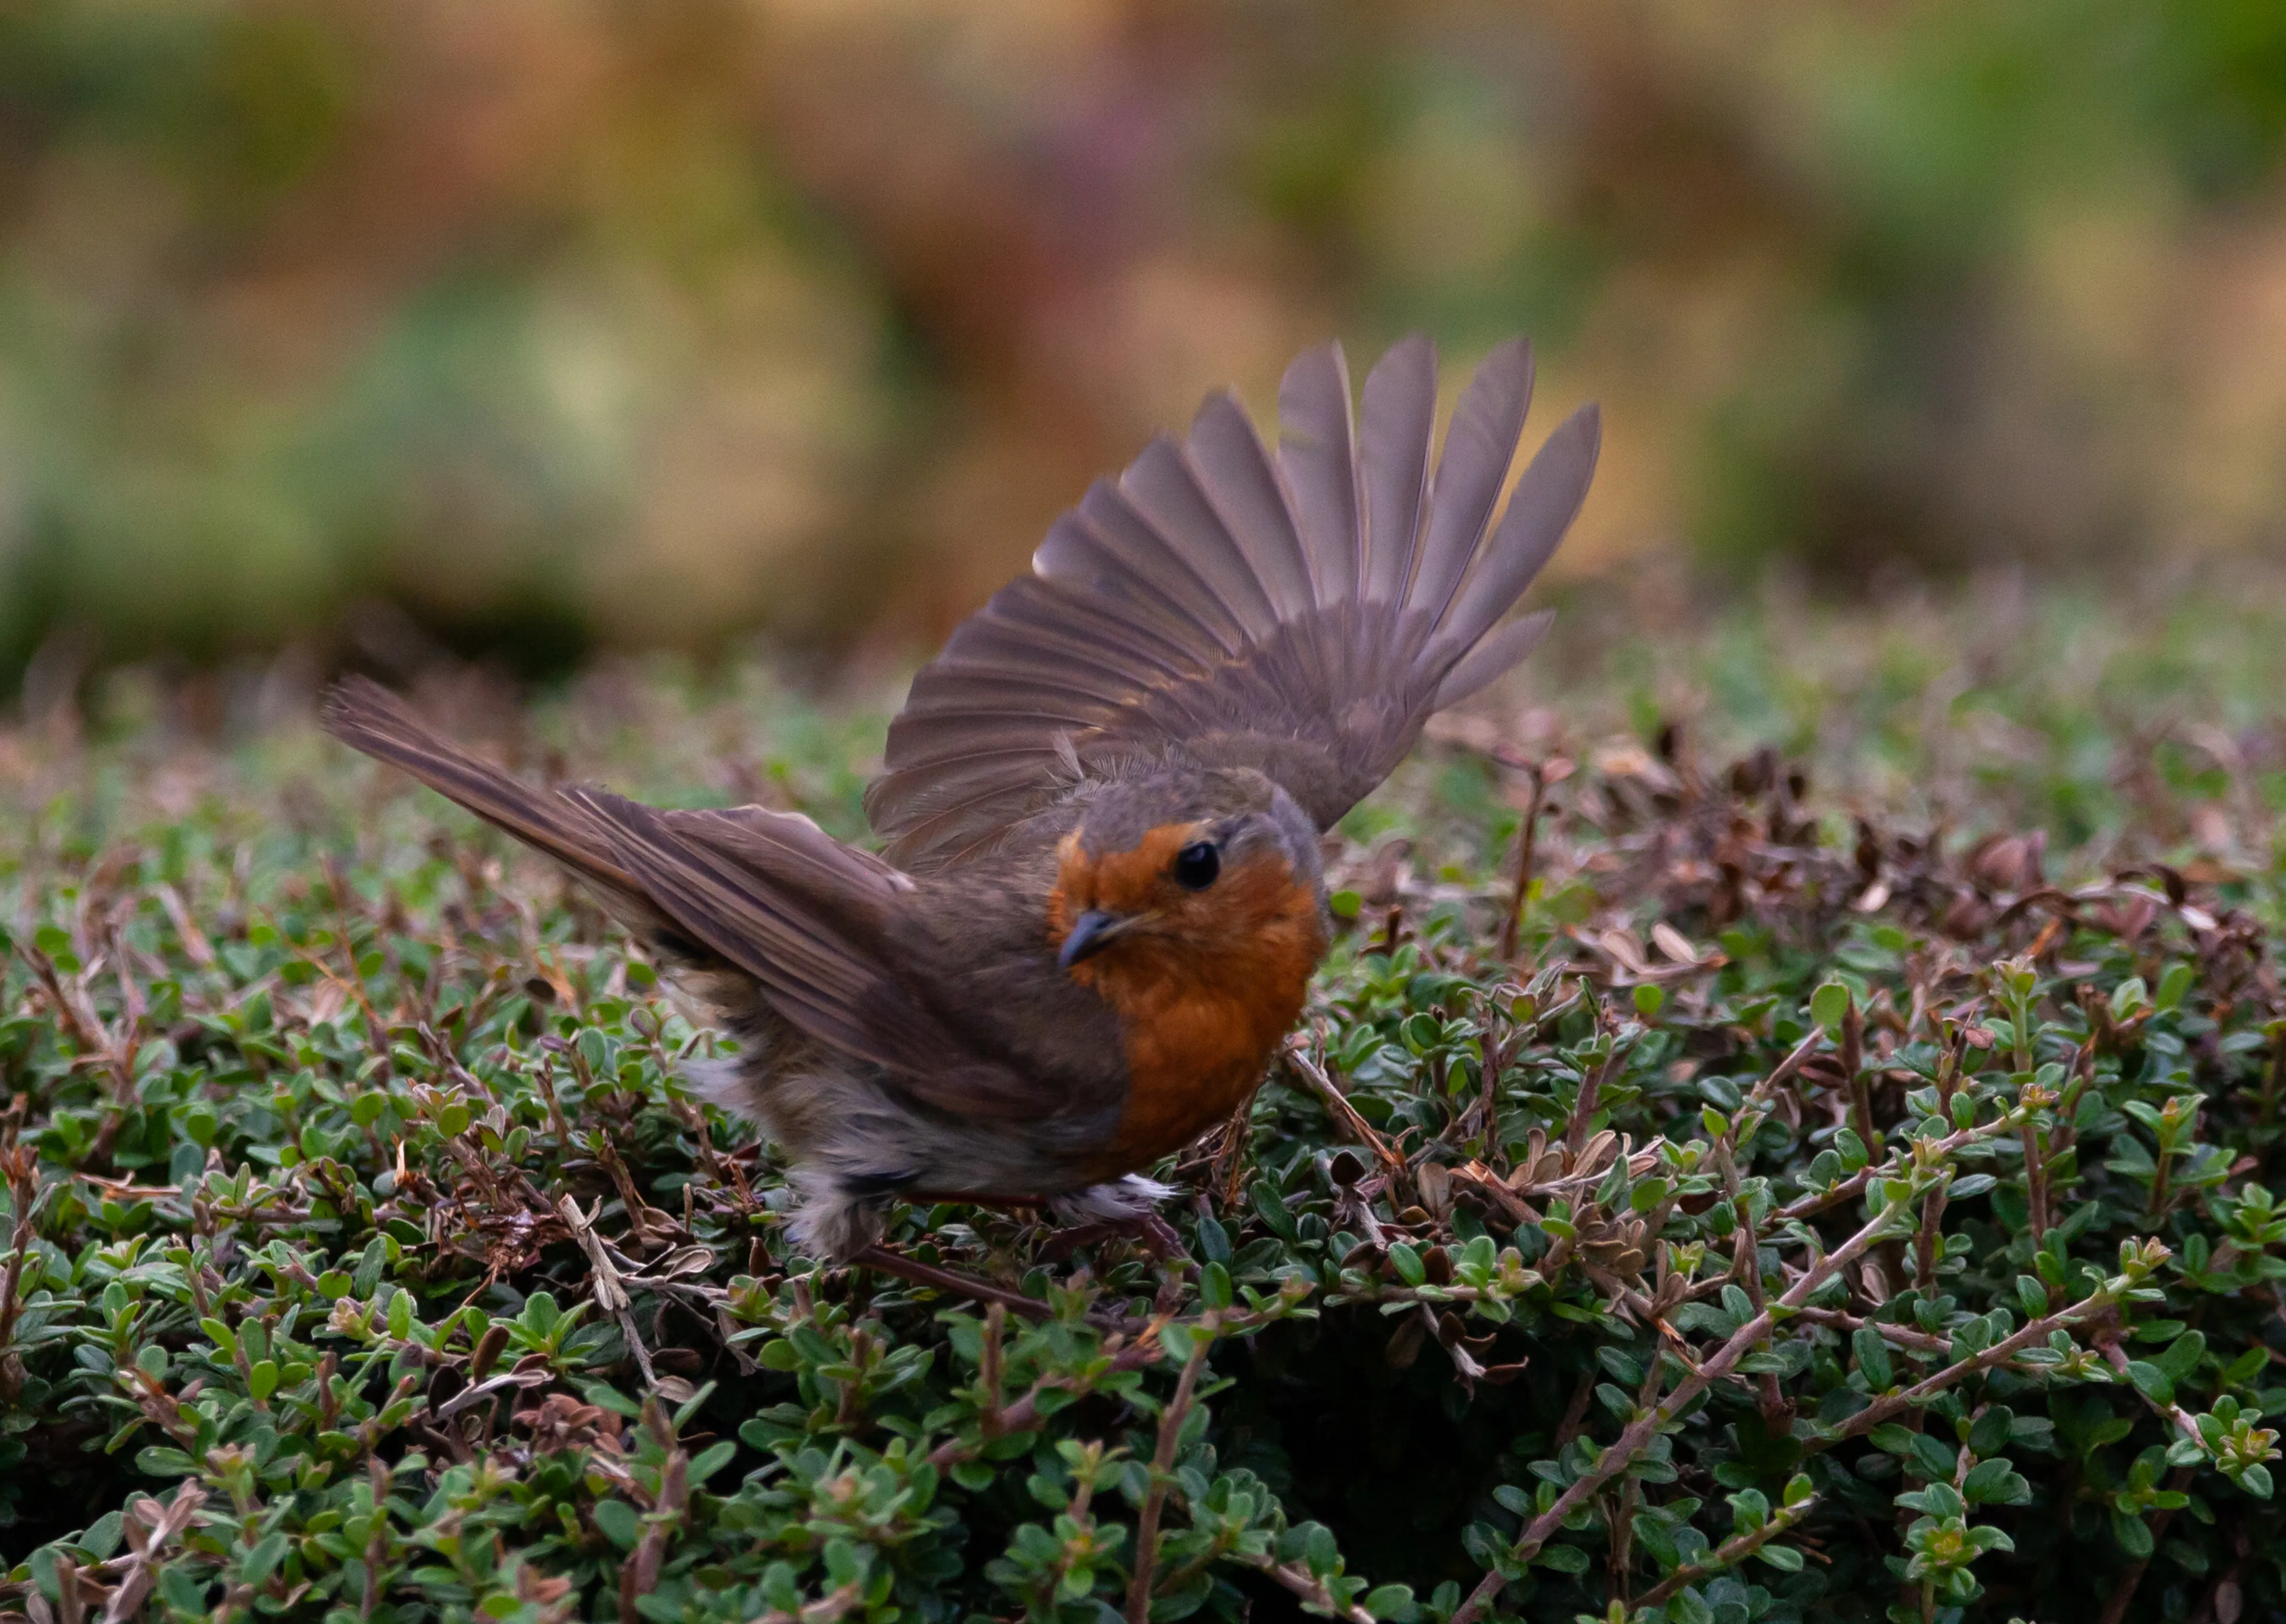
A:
{"x": 368, "y": 717}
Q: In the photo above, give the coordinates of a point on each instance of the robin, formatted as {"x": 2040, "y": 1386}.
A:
{"x": 1098, "y": 902}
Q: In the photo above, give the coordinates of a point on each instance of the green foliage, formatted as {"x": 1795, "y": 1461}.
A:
{"x": 1815, "y": 1219}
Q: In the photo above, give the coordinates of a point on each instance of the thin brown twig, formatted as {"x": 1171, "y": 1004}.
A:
{"x": 1928, "y": 1246}
{"x": 1526, "y": 838}
{"x": 1591, "y": 1089}
{"x": 2171, "y": 1412}
{"x": 1338, "y": 1107}
{"x": 1904, "y": 1336}
{"x": 1853, "y": 1068}
{"x": 1731, "y": 1552}
{"x": 1747, "y": 1264}
{"x": 827, "y": 1608}
{"x": 1896, "y": 1403}
{"x": 1306, "y": 1585}
{"x": 1575, "y": 1413}
{"x": 1776, "y": 1078}
{"x": 2123, "y": 1589}
{"x": 21, "y": 1167}
{"x": 1638, "y": 1434}
{"x": 1024, "y": 1415}
{"x": 1162, "y": 1467}
{"x": 669, "y": 1507}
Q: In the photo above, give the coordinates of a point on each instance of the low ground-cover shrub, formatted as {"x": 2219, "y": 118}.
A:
{"x": 1807, "y": 1215}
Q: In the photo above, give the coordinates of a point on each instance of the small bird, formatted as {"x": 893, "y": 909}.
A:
{"x": 1100, "y": 900}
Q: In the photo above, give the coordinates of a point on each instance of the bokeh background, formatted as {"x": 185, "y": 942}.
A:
{"x": 537, "y": 327}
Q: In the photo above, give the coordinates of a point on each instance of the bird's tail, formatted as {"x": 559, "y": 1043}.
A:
{"x": 368, "y": 717}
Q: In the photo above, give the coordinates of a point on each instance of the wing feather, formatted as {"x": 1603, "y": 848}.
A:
{"x": 1492, "y": 658}
{"x": 1479, "y": 446}
{"x": 1104, "y": 546}
{"x": 770, "y": 893}
{"x": 1163, "y": 490}
{"x": 1235, "y": 472}
{"x": 367, "y": 716}
{"x": 1303, "y": 614}
{"x": 809, "y": 920}
{"x": 796, "y": 921}
{"x": 1547, "y": 500}
{"x": 1316, "y": 455}
{"x": 1400, "y": 416}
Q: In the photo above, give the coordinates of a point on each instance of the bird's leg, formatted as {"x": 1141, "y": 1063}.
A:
{"x": 1159, "y": 1235}
{"x": 1139, "y": 1224}
{"x": 920, "y": 1273}
{"x": 1149, "y": 1230}
{"x": 1146, "y": 1230}
{"x": 1126, "y": 1207}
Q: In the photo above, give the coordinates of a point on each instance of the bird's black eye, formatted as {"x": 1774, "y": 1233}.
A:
{"x": 1196, "y": 865}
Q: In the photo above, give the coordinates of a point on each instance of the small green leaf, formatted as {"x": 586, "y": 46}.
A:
{"x": 2134, "y": 1536}
{"x": 1214, "y": 1286}
{"x": 1987, "y": 1480}
{"x": 262, "y": 1560}
{"x": 2150, "y": 1380}
{"x": 618, "y": 1522}
{"x": 1873, "y": 1358}
{"x": 1391, "y": 1603}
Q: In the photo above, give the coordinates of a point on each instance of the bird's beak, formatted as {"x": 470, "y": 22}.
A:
{"x": 1092, "y": 932}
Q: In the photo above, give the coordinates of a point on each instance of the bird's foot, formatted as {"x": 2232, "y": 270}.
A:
{"x": 1149, "y": 1230}
{"x": 1124, "y": 1208}
{"x": 887, "y": 1262}
{"x": 1132, "y": 1197}
{"x": 1127, "y": 1208}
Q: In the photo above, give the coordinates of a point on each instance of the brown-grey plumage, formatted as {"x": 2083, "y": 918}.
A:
{"x": 1102, "y": 899}
{"x": 1309, "y": 612}
{"x": 841, "y": 946}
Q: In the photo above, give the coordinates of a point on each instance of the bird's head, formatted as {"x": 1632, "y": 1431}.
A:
{"x": 1198, "y": 871}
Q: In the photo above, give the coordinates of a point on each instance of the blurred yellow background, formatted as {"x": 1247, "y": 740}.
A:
{"x": 542, "y": 326}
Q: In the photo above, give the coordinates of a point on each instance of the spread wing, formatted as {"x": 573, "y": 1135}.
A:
{"x": 769, "y": 892}
{"x": 1305, "y": 612}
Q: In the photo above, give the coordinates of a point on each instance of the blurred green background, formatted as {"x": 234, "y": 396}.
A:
{"x": 356, "y": 328}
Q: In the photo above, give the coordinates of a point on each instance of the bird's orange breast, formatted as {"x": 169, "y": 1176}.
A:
{"x": 1203, "y": 1007}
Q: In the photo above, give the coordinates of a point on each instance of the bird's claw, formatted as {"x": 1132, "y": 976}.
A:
{"x": 1148, "y": 1229}
{"x": 950, "y": 1281}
